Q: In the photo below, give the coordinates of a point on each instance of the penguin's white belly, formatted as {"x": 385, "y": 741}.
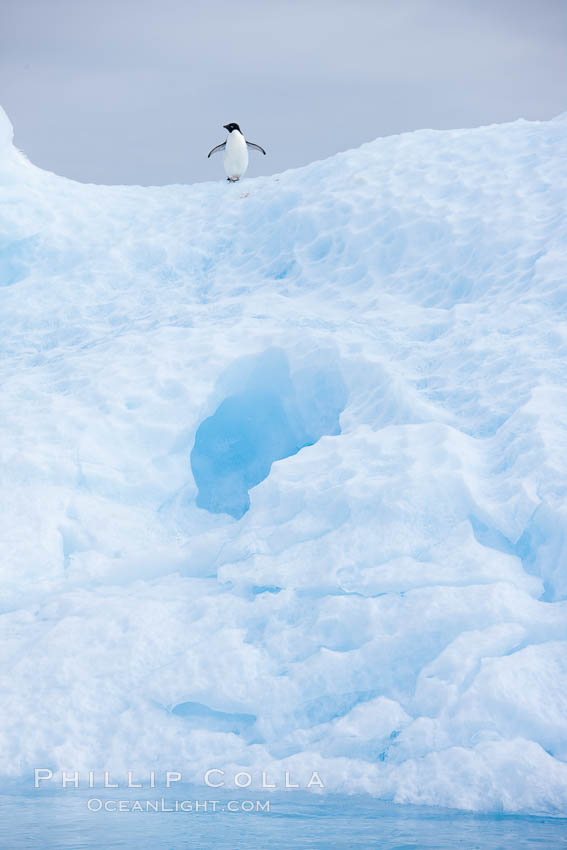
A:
{"x": 235, "y": 155}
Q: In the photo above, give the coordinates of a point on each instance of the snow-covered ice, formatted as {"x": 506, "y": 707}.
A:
{"x": 284, "y": 471}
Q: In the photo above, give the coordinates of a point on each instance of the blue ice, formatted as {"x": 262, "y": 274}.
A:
{"x": 272, "y": 418}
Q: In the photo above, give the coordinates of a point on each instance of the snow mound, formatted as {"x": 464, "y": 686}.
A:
{"x": 284, "y": 471}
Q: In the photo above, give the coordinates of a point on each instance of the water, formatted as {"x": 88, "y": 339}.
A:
{"x": 62, "y": 821}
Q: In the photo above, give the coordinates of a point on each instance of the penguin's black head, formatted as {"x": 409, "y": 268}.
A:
{"x": 230, "y": 127}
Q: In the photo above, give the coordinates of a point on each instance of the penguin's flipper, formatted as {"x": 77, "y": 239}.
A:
{"x": 255, "y": 147}
{"x": 218, "y": 148}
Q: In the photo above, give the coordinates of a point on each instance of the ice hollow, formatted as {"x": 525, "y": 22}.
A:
{"x": 274, "y": 416}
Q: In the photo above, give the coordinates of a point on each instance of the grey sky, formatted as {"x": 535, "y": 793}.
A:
{"x": 136, "y": 91}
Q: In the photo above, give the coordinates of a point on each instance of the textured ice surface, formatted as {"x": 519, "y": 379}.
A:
{"x": 376, "y": 345}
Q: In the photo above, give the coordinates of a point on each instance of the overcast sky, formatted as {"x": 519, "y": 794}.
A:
{"x": 137, "y": 91}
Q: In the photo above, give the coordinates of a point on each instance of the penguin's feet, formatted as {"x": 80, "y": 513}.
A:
{"x": 233, "y": 179}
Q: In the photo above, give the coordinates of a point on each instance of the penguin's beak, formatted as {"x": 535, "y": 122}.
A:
{"x": 225, "y": 126}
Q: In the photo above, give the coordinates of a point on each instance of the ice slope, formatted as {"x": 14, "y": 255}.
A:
{"x": 381, "y": 338}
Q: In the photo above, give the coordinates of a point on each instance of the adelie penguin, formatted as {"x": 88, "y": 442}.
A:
{"x": 235, "y": 152}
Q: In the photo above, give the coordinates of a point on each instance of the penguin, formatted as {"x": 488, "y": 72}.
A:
{"x": 235, "y": 152}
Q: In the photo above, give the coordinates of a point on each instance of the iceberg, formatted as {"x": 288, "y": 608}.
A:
{"x": 284, "y": 472}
